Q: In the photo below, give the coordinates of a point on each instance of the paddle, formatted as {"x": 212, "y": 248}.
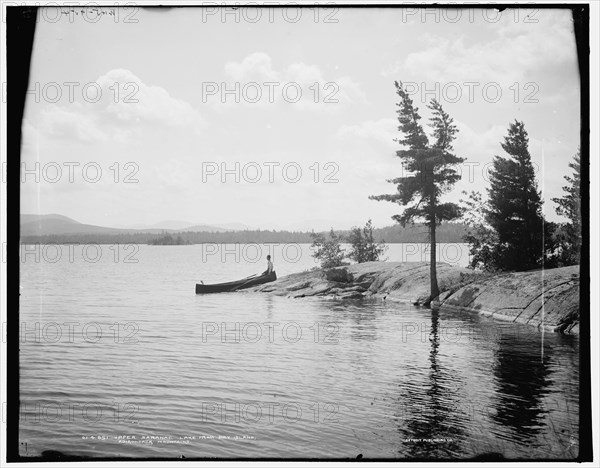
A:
{"x": 245, "y": 282}
{"x": 248, "y": 277}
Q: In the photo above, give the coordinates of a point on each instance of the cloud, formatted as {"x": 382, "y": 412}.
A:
{"x": 256, "y": 66}
{"x": 116, "y": 106}
{"x": 382, "y": 130}
{"x": 479, "y": 146}
{"x": 139, "y": 101}
{"x": 316, "y": 91}
{"x": 72, "y": 122}
{"x": 518, "y": 52}
{"x": 473, "y": 145}
{"x": 369, "y": 158}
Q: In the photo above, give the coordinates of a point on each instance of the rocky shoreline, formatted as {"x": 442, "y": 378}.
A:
{"x": 546, "y": 299}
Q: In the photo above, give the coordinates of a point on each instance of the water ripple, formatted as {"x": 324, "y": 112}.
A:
{"x": 187, "y": 375}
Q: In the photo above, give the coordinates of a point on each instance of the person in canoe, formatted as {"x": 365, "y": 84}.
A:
{"x": 266, "y": 276}
{"x": 269, "y": 269}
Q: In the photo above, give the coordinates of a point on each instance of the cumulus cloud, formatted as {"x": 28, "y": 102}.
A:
{"x": 138, "y": 100}
{"x": 519, "y": 52}
{"x": 256, "y": 66}
{"x": 69, "y": 122}
{"x": 317, "y": 91}
{"x": 115, "y": 106}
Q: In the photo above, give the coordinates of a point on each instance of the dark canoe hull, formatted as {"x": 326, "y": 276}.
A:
{"x": 235, "y": 285}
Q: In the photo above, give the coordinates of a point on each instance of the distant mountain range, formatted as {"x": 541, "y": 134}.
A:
{"x": 55, "y": 224}
{"x": 55, "y": 228}
{"x": 170, "y": 224}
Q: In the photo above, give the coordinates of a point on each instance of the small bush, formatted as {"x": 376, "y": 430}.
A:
{"x": 328, "y": 250}
{"x": 363, "y": 246}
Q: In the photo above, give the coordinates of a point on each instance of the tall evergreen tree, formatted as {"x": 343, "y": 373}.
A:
{"x": 431, "y": 165}
{"x": 515, "y": 205}
{"x": 569, "y": 206}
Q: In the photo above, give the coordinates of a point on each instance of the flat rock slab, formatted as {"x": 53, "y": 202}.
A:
{"x": 407, "y": 282}
{"x": 542, "y": 298}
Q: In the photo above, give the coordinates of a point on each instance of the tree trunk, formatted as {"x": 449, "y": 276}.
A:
{"x": 435, "y": 291}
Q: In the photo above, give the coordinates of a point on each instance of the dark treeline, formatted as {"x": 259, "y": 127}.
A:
{"x": 168, "y": 239}
{"x": 447, "y": 233}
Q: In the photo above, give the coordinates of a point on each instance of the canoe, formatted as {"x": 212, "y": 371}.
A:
{"x": 235, "y": 285}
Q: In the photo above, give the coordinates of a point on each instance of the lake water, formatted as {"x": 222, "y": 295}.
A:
{"x": 119, "y": 358}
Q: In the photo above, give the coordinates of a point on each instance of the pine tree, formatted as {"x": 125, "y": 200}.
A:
{"x": 569, "y": 206}
{"x": 432, "y": 172}
{"x": 515, "y": 205}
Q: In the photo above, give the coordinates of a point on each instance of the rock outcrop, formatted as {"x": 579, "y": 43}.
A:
{"x": 541, "y": 298}
{"x": 548, "y": 298}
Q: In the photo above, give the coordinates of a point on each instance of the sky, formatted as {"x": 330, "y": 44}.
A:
{"x": 281, "y": 119}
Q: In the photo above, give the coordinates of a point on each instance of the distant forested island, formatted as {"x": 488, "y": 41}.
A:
{"x": 168, "y": 239}
{"x": 446, "y": 233}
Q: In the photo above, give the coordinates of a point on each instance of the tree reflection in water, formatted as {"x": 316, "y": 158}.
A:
{"x": 431, "y": 414}
{"x": 522, "y": 382}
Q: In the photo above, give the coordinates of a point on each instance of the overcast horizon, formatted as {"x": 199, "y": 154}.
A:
{"x": 162, "y": 136}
